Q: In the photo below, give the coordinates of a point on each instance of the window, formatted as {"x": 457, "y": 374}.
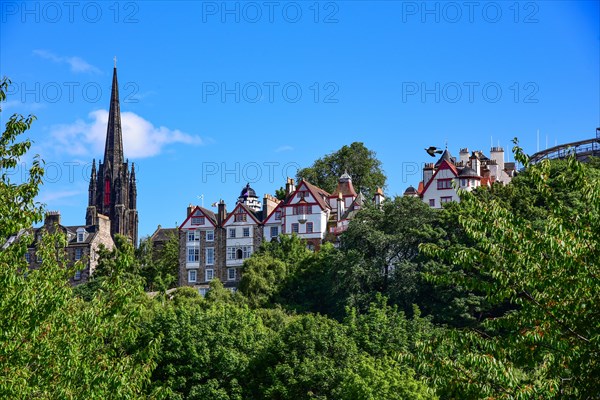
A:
{"x": 431, "y": 202}
{"x": 277, "y": 215}
{"x": 310, "y": 247}
{"x": 210, "y": 236}
{"x": 106, "y": 192}
{"x": 210, "y": 256}
{"x": 239, "y": 253}
{"x": 80, "y": 235}
{"x": 77, "y": 275}
{"x": 445, "y": 199}
{"x": 192, "y": 275}
{"x": 246, "y": 232}
{"x": 203, "y": 291}
{"x": 444, "y": 183}
{"x": 274, "y": 231}
{"x": 294, "y": 228}
{"x": 231, "y": 274}
{"x": 193, "y": 236}
{"x": 309, "y": 227}
{"x": 308, "y": 209}
{"x": 232, "y": 233}
{"x": 197, "y": 220}
{"x": 78, "y": 254}
{"x": 209, "y": 274}
{"x": 463, "y": 182}
{"x": 241, "y": 217}
{"x": 193, "y": 254}
{"x": 27, "y": 257}
{"x": 299, "y": 210}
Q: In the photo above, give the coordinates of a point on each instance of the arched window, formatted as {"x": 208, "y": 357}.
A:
{"x": 106, "y": 192}
{"x": 239, "y": 254}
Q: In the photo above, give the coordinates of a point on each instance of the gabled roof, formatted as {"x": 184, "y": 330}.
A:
{"x": 253, "y": 215}
{"x": 207, "y": 213}
{"x": 444, "y": 165}
{"x": 319, "y": 194}
{"x": 277, "y": 208}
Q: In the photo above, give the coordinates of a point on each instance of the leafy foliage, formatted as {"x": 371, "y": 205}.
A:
{"x": 360, "y": 162}
{"x": 54, "y": 344}
{"x": 547, "y": 269}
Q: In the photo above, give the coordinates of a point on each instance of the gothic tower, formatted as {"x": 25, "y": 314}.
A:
{"x": 113, "y": 190}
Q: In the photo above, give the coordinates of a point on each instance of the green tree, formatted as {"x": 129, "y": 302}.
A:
{"x": 53, "y": 344}
{"x": 265, "y": 273}
{"x": 360, "y": 162}
{"x": 159, "y": 267}
{"x": 206, "y": 346}
{"x": 547, "y": 269}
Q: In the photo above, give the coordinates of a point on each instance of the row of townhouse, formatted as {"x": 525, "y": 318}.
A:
{"x": 215, "y": 245}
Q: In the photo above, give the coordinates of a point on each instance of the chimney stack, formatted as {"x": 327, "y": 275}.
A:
{"x": 269, "y": 204}
{"x": 221, "y": 213}
{"x": 190, "y": 208}
{"x": 290, "y": 187}
{"x": 52, "y": 218}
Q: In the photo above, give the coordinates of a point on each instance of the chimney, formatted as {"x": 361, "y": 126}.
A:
{"x": 290, "y": 187}
{"x": 269, "y": 204}
{"x": 464, "y": 156}
{"x": 52, "y": 218}
{"x": 103, "y": 223}
{"x": 221, "y": 213}
{"x": 497, "y": 154}
{"x": 340, "y": 206}
{"x": 427, "y": 173}
{"x": 190, "y": 208}
{"x": 475, "y": 164}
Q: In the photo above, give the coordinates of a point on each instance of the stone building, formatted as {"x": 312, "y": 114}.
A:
{"x": 216, "y": 245}
{"x": 83, "y": 243}
{"x": 112, "y": 189}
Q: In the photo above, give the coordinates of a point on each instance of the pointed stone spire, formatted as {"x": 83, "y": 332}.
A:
{"x": 113, "y": 150}
{"x": 132, "y": 189}
{"x": 93, "y": 185}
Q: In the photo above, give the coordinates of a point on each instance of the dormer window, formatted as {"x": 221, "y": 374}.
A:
{"x": 80, "y": 235}
{"x": 277, "y": 215}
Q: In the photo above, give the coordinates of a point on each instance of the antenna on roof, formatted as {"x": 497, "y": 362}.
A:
{"x": 115, "y": 60}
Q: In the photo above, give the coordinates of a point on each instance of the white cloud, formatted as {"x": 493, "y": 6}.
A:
{"x": 77, "y": 64}
{"x": 140, "y": 138}
{"x": 54, "y": 196}
{"x": 283, "y": 148}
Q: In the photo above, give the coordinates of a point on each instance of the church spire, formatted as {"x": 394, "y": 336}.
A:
{"x": 113, "y": 150}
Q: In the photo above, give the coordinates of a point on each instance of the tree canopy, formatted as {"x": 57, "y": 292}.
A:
{"x": 356, "y": 159}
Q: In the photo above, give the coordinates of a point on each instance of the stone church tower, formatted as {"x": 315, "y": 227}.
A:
{"x": 112, "y": 190}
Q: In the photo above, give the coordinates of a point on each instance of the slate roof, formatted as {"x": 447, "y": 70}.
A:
{"x": 445, "y": 156}
{"x": 163, "y": 234}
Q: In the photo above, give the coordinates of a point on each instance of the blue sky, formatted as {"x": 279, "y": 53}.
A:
{"x": 215, "y": 94}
